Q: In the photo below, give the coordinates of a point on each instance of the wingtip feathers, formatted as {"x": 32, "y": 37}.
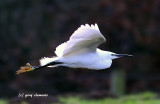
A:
{"x": 92, "y": 26}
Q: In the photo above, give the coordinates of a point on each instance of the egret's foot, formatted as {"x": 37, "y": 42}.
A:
{"x": 26, "y": 68}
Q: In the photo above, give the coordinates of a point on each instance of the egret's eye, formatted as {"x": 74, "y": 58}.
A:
{"x": 112, "y": 54}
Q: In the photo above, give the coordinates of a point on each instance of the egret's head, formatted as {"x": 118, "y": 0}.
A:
{"x": 112, "y": 55}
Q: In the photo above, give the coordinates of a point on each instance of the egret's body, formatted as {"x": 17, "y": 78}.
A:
{"x": 81, "y": 51}
{"x": 94, "y": 60}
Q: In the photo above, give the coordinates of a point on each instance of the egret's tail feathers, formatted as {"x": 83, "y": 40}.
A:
{"x": 47, "y": 60}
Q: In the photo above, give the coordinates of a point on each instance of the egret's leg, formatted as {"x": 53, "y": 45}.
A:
{"x": 28, "y": 67}
{"x": 49, "y": 64}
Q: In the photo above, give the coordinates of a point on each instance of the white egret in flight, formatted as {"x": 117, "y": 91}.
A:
{"x": 80, "y": 51}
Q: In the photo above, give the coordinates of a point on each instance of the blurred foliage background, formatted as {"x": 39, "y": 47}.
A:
{"x": 31, "y": 29}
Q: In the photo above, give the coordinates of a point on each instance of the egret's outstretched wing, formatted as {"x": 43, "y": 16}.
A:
{"x": 85, "y": 39}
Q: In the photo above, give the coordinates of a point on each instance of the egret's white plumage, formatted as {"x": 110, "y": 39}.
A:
{"x": 81, "y": 51}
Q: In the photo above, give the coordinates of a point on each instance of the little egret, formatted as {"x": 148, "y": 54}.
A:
{"x": 80, "y": 51}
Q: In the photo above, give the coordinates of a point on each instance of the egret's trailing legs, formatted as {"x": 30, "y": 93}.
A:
{"x": 28, "y": 67}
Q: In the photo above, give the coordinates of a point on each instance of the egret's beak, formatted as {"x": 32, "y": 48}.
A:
{"x": 26, "y": 68}
{"x": 122, "y": 55}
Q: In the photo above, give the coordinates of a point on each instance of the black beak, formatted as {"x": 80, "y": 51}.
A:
{"x": 123, "y": 55}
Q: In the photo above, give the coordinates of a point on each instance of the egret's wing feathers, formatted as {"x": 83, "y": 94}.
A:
{"x": 60, "y": 49}
{"x": 85, "y": 38}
